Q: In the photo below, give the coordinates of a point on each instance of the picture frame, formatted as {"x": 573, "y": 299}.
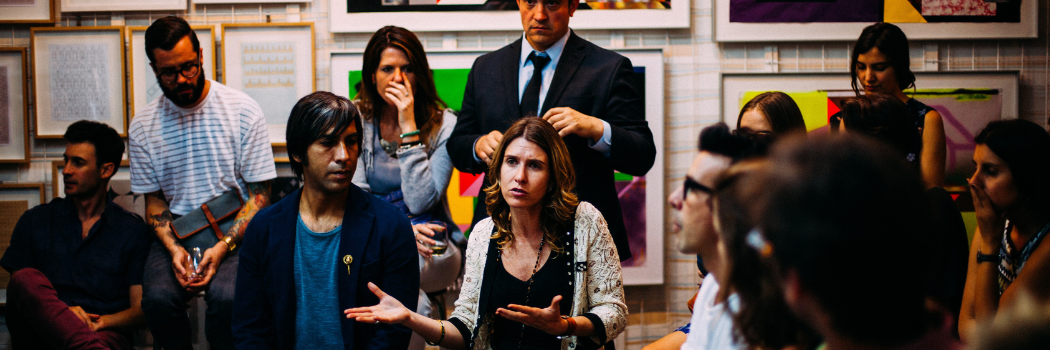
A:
{"x": 726, "y": 31}
{"x": 121, "y": 5}
{"x": 119, "y": 187}
{"x": 203, "y": 2}
{"x": 29, "y": 12}
{"x": 645, "y": 194}
{"x": 340, "y": 21}
{"x": 14, "y": 106}
{"x": 967, "y": 101}
{"x": 144, "y": 87}
{"x": 15, "y": 200}
{"x": 275, "y": 74}
{"x": 78, "y": 73}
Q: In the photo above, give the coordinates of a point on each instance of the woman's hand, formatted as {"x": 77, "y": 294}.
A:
{"x": 547, "y": 319}
{"x": 389, "y": 310}
{"x": 403, "y": 99}
{"x": 423, "y": 240}
{"x": 989, "y": 220}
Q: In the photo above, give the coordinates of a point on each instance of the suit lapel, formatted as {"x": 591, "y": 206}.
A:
{"x": 570, "y": 61}
{"x": 509, "y": 80}
{"x": 355, "y": 235}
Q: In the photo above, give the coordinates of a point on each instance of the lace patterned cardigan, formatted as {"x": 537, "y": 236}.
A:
{"x": 597, "y": 283}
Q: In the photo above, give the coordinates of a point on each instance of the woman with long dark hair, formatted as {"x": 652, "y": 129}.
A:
{"x": 880, "y": 64}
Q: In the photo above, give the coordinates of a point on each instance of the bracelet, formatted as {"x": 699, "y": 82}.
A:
{"x": 437, "y": 343}
{"x": 410, "y": 133}
{"x": 409, "y": 145}
{"x": 992, "y": 258}
{"x": 571, "y": 326}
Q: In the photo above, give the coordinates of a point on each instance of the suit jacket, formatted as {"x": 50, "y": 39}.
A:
{"x": 374, "y": 233}
{"x": 589, "y": 79}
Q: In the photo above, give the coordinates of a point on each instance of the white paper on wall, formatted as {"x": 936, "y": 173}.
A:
{"x": 79, "y": 82}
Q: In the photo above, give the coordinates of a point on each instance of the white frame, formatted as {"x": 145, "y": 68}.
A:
{"x": 43, "y": 11}
{"x": 726, "y": 31}
{"x": 122, "y": 5}
{"x": 339, "y": 21}
{"x": 301, "y": 34}
{"x": 40, "y": 38}
{"x": 18, "y": 105}
{"x": 653, "y": 270}
{"x": 141, "y": 74}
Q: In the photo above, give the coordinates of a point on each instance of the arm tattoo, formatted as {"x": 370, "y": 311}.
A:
{"x": 258, "y": 197}
{"x": 161, "y": 220}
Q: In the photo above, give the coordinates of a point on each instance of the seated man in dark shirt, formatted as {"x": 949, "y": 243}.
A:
{"x": 76, "y": 263}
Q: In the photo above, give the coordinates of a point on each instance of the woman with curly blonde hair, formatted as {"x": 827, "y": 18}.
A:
{"x": 542, "y": 272}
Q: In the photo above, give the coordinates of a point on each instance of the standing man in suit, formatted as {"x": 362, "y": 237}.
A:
{"x": 584, "y": 91}
{"x": 313, "y": 254}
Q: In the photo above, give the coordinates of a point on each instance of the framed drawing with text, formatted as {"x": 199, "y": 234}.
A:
{"x": 274, "y": 64}
{"x": 641, "y": 197}
{"x": 15, "y": 199}
{"x": 14, "y": 111}
{"x": 144, "y": 86}
{"x": 967, "y": 101}
{"x": 121, "y": 5}
{"x": 78, "y": 74}
{"x": 366, "y": 16}
{"x": 27, "y": 11}
{"x": 843, "y": 20}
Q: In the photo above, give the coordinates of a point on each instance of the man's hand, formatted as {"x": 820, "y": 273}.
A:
{"x": 180, "y": 263}
{"x": 210, "y": 262}
{"x": 487, "y": 144}
{"x": 568, "y": 121}
{"x": 89, "y": 319}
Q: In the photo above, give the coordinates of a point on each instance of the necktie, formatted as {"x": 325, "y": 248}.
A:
{"x": 530, "y": 100}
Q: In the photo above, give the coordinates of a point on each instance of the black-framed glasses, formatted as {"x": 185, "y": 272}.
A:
{"x": 692, "y": 185}
{"x": 188, "y": 71}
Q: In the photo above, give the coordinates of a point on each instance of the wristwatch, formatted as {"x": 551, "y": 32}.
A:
{"x": 229, "y": 243}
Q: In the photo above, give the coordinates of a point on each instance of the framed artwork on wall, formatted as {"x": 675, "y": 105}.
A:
{"x": 27, "y": 11}
{"x": 967, "y": 101}
{"x": 274, "y": 64}
{"x": 15, "y": 199}
{"x": 121, "y": 5}
{"x": 78, "y": 74}
{"x": 843, "y": 20}
{"x": 14, "y": 111}
{"x": 365, "y": 16}
{"x": 645, "y": 223}
{"x": 144, "y": 87}
{"x": 119, "y": 187}
{"x": 200, "y": 2}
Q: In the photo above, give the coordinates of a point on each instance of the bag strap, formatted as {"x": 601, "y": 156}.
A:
{"x": 211, "y": 220}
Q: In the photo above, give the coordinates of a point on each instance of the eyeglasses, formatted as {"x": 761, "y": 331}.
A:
{"x": 691, "y": 184}
{"x": 188, "y": 71}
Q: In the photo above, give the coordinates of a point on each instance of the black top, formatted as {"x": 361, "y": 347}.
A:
{"x": 93, "y": 273}
{"x": 919, "y": 109}
{"x": 551, "y": 280}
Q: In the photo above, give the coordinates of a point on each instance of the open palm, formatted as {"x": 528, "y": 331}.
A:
{"x": 389, "y": 310}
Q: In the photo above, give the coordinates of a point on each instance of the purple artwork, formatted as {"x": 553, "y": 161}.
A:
{"x": 757, "y": 11}
{"x": 632, "y": 202}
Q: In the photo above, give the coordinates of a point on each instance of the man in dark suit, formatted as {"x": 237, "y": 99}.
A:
{"x": 585, "y": 91}
{"x": 312, "y": 255}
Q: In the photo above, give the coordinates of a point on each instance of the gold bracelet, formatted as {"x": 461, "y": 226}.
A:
{"x": 438, "y": 343}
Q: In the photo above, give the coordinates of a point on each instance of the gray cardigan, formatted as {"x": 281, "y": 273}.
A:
{"x": 425, "y": 171}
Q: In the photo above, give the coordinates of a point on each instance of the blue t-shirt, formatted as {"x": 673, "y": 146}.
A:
{"x": 317, "y": 314}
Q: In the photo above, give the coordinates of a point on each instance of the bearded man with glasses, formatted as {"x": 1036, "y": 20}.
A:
{"x": 200, "y": 140}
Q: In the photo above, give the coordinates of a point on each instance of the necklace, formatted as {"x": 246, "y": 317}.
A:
{"x": 535, "y": 268}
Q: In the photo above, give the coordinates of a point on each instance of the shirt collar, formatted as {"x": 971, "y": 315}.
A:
{"x": 109, "y": 216}
{"x": 554, "y": 52}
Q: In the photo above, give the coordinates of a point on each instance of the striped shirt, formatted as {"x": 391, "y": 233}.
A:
{"x": 196, "y": 154}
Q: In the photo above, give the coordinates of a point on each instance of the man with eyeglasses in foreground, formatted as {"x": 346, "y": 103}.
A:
{"x": 198, "y": 141}
{"x": 693, "y": 222}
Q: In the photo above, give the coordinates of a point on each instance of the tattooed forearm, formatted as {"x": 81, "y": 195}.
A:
{"x": 159, "y": 217}
{"x": 161, "y": 220}
{"x": 258, "y": 198}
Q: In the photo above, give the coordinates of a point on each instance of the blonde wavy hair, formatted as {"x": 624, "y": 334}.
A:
{"x": 560, "y": 201}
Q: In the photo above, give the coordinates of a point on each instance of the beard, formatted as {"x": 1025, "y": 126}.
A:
{"x": 183, "y": 100}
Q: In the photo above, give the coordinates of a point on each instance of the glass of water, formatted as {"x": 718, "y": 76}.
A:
{"x": 195, "y": 257}
{"x": 440, "y": 237}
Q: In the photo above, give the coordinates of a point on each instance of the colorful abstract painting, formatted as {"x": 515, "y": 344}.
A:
{"x": 867, "y": 11}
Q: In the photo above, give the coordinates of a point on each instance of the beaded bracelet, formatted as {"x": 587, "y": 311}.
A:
{"x": 437, "y": 343}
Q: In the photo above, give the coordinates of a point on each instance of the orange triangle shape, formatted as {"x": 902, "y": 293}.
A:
{"x": 901, "y": 11}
